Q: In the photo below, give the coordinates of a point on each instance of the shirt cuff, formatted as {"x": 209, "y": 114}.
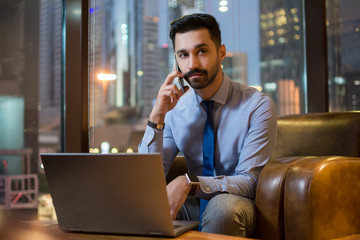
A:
{"x": 208, "y": 188}
{"x": 211, "y": 186}
{"x": 152, "y": 141}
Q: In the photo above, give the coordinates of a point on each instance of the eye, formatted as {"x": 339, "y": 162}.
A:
{"x": 202, "y": 51}
{"x": 182, "y": 55}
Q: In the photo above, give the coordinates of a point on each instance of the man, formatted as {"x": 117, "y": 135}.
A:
{"x": 244, "y": 121}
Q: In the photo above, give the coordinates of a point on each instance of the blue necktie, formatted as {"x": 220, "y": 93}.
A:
{"x": 208, "y": 149}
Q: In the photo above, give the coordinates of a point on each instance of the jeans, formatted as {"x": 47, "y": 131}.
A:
{"x": 225, "y": 214}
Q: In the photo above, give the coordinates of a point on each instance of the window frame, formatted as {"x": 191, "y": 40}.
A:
{"x": 75, "y": 109}
{"x": 315, "y": 60}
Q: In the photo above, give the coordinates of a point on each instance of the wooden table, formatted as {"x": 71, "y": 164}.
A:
{"x": 191, "y": 235}
{"x": 33, "y": 231}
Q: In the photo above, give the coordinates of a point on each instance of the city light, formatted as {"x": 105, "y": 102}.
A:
{"x": 223, "y": 3}
{"x": 281, "y": 31}
{"x": 124, "y": 33}
{"x": 270, "y": 15}
{"x": 293, "y": 10}
{"x": 223, "y": 9}
{"x": 282, "y": 40}
{"x": 172, "y": 3}
{"x": 357, "y": 27}
{"x": 94, "y": 150}
{"x": 271, "y": 86}
{"x": 105, "y": 147}
{"x": 106, "y": 77}
{"x": 129, "y": 150}
{"x": 223, "y": 6}
{"x": 339, "y": 80}
{"x": 271, "y": 33}
{"x": 114, "y": 150}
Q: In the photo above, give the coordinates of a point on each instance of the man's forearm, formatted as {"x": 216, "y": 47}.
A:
{"x": 157, "y": 118}
{"x": 177, "y": 191}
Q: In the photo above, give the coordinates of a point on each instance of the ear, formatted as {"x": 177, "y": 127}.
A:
{"x": 222, "y": 52}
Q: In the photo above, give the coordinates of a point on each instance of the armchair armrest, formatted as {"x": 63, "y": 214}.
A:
{"x": 322, "y": 198}
{"x": 309, "y": 198}
{"x": 269, "y": 198}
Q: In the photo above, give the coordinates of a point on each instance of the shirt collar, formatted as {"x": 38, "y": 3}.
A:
{"x": 221, "y": 94}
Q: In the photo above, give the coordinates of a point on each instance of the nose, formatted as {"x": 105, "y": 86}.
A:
{"x": 193, "y": 62}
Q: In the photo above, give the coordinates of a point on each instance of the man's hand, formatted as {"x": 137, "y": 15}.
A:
{"x": 167, "y": 98}
{"x": 177, "y": 191}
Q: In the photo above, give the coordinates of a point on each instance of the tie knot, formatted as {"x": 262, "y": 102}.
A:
{"x": 209, "y": 105}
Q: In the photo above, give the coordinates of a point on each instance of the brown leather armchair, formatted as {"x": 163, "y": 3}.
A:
{"x": 311, "y": 187}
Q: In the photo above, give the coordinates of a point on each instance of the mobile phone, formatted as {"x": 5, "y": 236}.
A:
{"x": 180, "y": 79}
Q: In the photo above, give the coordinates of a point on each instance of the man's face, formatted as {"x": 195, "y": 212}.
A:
{"x": 198, "y": 58}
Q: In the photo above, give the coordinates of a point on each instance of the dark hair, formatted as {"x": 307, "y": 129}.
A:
{"x": 195, "y": 22}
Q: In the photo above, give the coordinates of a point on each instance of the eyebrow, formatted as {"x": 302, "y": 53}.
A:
{"x": 200, "y": 45}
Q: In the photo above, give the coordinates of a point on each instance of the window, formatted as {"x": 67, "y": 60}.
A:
{"x": 30, "y": 83}
{"x": 130, "y": 55}
{"x": 343, "y": 38}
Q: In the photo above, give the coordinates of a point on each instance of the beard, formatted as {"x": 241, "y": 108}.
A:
{"x": 206, "y": 78}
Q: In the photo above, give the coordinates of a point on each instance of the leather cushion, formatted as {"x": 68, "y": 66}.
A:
{"x": 318, "y": 134}
{"x": 321, "y": 198}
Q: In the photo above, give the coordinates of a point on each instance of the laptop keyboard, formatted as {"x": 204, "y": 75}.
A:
{"x": 179, "y": 223}
{"x": 176, "y": 226}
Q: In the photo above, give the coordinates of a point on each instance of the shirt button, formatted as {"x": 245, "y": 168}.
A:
{"x": 207, "y": 189}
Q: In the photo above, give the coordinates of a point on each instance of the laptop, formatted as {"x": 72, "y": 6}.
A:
{"x": 123, "y": 194}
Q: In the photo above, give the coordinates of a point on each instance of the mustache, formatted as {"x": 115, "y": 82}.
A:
{"x": 195, "y": 71}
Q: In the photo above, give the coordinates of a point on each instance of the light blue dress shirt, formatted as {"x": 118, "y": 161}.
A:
{"x": 245, "y": 124}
